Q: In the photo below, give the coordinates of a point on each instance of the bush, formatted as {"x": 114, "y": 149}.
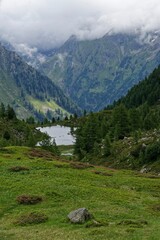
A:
{"x": 28, "y": 200}
{"x": 6, "y": 135}
{"x": 3, "y": 142}
{"x": 152, "y": 152}
{"x": 137, "y": 150}
{"x": 32, "y": 218}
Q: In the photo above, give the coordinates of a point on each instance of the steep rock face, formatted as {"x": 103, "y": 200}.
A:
{"x": 94, "y": 73}
{"x": 21, "y": 85}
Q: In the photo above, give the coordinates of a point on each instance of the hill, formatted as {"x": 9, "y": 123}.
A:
{"x": 29, "y": 92}
{"x": 15, "y": 132}
{"x": 125, "y": 204}
{"x": 94, "y": 73}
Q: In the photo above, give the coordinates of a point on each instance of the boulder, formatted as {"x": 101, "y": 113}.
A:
{"x": 80, "y": 215}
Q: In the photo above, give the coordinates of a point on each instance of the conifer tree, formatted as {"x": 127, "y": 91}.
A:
{"x": 120, "y": 121}
{"x": 107, "y": 146}
{"x": 2, "y": 110}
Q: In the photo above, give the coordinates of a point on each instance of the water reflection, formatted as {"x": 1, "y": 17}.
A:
{"x": 61, "y": 134}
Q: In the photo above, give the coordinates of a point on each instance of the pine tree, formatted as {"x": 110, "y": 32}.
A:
{"x": 2, "y": 110}
{"x": 107, "y": 146}
{"x": 10, "y": 113}
{"x": 120, "y": 121}
{"x": 134, "y": 119}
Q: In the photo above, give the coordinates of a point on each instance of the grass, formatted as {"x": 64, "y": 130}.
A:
{"x": 43, "y": 106}
{"x": 125, "y": 205}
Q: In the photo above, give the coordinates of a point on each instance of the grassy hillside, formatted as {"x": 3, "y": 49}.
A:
{"x": 125, "y": 204}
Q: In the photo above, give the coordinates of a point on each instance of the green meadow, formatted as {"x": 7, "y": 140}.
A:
{"x": 124, "y": 204}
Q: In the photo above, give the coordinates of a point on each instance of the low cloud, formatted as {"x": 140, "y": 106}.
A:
{"x": 48, "y": 23}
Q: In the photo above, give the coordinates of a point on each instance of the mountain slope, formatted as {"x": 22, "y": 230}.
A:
{"x": 126, "y": 134}
{"x": 94, "y": 73}
{"x": 21, "y": 85}
{"x": 147, "y": 91}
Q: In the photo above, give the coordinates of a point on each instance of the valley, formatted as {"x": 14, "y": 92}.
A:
{"x": 106, "y": 92}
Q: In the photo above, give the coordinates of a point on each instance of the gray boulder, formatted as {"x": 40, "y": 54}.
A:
{"x": 79, "y": 216}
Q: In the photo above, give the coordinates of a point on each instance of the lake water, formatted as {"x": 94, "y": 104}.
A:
{"x": 61, "y": 134}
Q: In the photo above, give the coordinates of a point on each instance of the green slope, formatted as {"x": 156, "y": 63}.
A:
{"x": 125, "y": 205}
{"x": 147, "y": 91}
{"x": 19, "y": 82}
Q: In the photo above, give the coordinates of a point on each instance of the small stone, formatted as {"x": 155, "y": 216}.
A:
{"x": 144, "y": 170}
{"x": 80, "y": 215}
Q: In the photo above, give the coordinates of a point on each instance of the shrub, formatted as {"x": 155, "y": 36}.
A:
{"x": 152, "y": 152}
{"x": 28, "y": 200}
{"x": 6, "y": 135}
{"x": 137, "y": 150}
{"x": 32, "y": 218}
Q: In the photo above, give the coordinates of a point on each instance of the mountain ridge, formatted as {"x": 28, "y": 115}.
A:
{"x": 94, "y": 73}
{"x": 19, "y": 82}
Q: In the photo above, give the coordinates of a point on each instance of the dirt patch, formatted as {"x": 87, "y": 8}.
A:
{"x": 145, "y": 175}
{"x": 40, "y": 153}
{"x": 61, "y": 165}
{"x": 28, "y": 200}
{"x": 31, "y": 218}
{"x": 134, "y": 223}
{"x": 80, "y": 165}
{"x": 18, "y": 169}
{"x": 103, "y": 173}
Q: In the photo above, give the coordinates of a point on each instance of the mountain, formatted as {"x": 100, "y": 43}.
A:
{"x": 33, "y": 56}
{"x": 28, "y": 91}
{"x": 94, "y": 73}
{"x": 146, "y": 92}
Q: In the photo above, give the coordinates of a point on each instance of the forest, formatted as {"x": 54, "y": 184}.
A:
{"x": 132, "y": 117}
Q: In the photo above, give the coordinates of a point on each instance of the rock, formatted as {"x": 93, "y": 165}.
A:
{"x": 79, "y": 216}
{"x": 144, "y": 170}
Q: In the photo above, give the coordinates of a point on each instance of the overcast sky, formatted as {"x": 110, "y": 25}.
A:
{"x": 48, "y": 23}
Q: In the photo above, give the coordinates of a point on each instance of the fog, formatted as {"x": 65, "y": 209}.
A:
{"x": 48, "y": 23}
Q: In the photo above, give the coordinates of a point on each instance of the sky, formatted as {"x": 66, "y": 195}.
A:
{"x": 49, "y": 23}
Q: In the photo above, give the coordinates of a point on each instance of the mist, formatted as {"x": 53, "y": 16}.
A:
{"x": 49, "y": 23}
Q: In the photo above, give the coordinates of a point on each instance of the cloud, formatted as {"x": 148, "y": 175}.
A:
{"x": 48, "y": 23}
